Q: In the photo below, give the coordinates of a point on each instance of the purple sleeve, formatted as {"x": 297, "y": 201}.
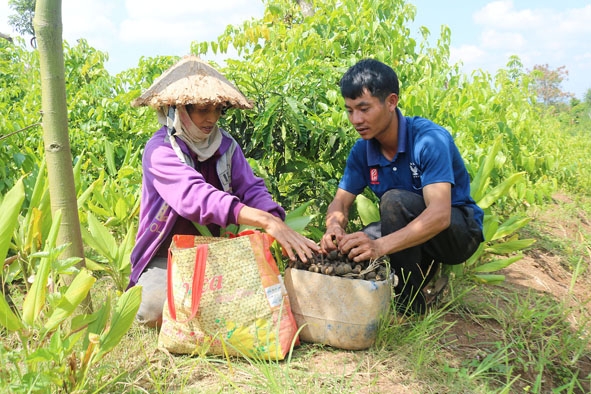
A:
{"x": 250, "y": 189}
{"x": 185, "y": 189}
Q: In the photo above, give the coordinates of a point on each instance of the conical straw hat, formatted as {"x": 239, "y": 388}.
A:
{"x": 192, "y": 81}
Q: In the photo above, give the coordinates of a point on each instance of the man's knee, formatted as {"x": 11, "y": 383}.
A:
{"x": 398, "y": 208}
{"x": 393, "y": 198}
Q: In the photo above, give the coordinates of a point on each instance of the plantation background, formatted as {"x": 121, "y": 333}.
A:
{"x": 519, "y": 151}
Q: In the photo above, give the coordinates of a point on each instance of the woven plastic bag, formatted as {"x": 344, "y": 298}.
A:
{"x": 226, "y": 297}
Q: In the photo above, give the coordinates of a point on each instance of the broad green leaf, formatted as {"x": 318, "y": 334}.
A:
{"x": 489, "y": 279}
{"x": 86, "y": 194}
{"x": 203, "y": 230}
{"x": 298, "y": 223}
{"x": 8, "y": 319}
{"x": 75, "y": 294}
{"x": 80, "y": 322}
{"x": 500, "y": 190}
{"x": 9, "y": 212}
{"x": 123, "y": 317}
{"x": 93, "y": 265}
{"x": 35, "y": 298}
{"x": 299, "y": 211}
{"x": 510, "y": 227}
{"x": 474, "y": 258}
{"x": 490, "y": 226}
{"x": 480, "y": 181}
{"x": 101, "y": 320}
{"x": 510, "y": 246}
{"x": 497, "y": 264}
{"x": 102, "y": 240}
{"x": 368, "y": 211}
{"x": 121, "y": 209}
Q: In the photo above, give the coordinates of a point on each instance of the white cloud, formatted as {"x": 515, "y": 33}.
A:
{"x": 502, "y": 15}
{"x": 551, "y": 34}
{"x": 467, "y": 54}
{"x": 182, "y": 21}
{"x": 4, "y": 12}
{"x": 492, "y": 39}
{"x": 90, "y": 19}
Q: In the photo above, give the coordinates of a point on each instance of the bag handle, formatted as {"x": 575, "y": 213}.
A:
{"x": 196, "y": 285}
{"x": 243, "y": 233}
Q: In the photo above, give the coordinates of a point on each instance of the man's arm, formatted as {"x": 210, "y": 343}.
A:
{"x": 433, "y": 220}
{"x": 337, "y": 217}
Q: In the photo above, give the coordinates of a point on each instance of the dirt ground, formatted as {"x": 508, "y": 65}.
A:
{"x": 543, "y": 277}
{"x": 543, "y": 272}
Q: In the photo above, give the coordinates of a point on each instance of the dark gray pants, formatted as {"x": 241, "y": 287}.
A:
{"x": 416, "y": 266}
{"x": 153, "y": 281}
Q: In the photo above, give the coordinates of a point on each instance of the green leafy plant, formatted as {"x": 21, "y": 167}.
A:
{"x": 57, "y": 346}
{"x": 116, "y": 254}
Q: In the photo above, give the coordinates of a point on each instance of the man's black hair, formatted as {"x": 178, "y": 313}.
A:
{"x": 378, "y": 78}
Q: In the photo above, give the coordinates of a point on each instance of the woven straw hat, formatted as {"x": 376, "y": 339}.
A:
{"x": 192, "y": 81}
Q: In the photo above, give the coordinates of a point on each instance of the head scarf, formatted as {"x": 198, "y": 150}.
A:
{"x": 180, "y": 125}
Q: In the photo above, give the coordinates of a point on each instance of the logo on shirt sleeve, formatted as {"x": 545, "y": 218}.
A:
{"x": 373, "y": 176}
{"x": 416, "y": 176}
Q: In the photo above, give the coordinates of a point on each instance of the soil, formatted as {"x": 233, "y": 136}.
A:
{"x": 545, "y": 272}
{"x": 470, "y": 331}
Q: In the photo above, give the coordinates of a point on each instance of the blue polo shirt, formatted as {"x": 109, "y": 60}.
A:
{"x": 426, "y": 154}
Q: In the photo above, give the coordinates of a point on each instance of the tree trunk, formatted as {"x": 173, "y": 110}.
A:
{"x": 5, "y": 36}
{"x": 307, "y": 9}
{"x": 62, "y": 191}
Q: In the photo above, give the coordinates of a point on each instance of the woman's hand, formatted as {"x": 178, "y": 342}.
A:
{"x": 293, "y": 243}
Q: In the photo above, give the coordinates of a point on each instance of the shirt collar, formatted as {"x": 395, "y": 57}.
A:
{"x": 374, "y": 155}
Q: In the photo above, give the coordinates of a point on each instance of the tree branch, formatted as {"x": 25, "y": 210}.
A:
{"x": 306, "y": 7}
{"x": 6, "y": 37}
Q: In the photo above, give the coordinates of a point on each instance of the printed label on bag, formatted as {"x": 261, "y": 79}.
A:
{"x": 282, "y": 283}
{"x": 274, "y": 295}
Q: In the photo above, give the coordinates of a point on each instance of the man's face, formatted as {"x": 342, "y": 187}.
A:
{"x": 369, "y": 115}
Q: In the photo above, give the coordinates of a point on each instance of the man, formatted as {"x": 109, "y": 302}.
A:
{"x": 415, "y": 168}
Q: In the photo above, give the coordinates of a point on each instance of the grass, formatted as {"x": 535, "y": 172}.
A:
{"x": 487, "y": 340}
{"x": 480, "y": 339}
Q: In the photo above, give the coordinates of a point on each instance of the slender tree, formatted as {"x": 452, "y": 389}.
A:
{"x": 22, "y": 20}
{"x": 587, "y": 98}
{"x": 546, "y": 84}
{"x": 5, "y": 36}
{"x": 62, "y": 192}
{"x": 306, "y": 6}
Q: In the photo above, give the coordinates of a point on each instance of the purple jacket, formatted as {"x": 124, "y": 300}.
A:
{"x": 171, "y": 189}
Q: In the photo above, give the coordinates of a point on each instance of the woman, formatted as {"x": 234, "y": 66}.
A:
{"x": 195, "y": 172}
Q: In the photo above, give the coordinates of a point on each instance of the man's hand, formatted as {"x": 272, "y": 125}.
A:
{"x": 359, "y": 247}
{"x": 331, "y": 238}
{"x": 336, "y": 220}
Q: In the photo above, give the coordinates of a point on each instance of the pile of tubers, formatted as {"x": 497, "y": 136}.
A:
{"x": 337, "y": 264}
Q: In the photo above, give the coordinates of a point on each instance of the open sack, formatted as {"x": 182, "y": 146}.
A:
{"x": 226, "y": 297}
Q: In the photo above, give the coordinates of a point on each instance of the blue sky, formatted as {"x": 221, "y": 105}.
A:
{"x": 484, "y": 33}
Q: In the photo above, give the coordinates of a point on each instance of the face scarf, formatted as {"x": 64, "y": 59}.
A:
{"x": 204, "y": 145}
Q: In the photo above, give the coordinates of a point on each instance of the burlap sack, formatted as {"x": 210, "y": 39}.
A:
{"x": 340, "y": 312}
{"x": 226, "y": 297}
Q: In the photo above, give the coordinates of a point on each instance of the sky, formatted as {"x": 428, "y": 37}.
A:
{"x": 484, "y": 34}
